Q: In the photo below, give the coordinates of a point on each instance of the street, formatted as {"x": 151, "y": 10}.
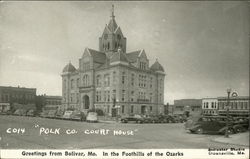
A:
{"x": 40, "y": 133}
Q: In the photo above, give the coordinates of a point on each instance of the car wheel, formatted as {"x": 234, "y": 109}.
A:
{"x": 199, "y": 131}
{"x": 240, "y": 129}
{"x": 230, "y": 131}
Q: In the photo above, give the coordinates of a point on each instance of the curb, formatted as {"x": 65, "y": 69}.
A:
{"x": 109, "y": 122}
{"x": 215, "y": 140}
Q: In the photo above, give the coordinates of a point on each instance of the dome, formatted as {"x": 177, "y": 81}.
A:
{"x": 157, "y": 67}
{"x": 69, "y": 68}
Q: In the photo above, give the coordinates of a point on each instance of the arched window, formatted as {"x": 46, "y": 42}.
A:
{"x": 72, "y": 83}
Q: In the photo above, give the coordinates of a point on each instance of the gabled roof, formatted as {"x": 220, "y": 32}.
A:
{"x": 98, "y": 56}
{"x": 132, "y": 56}
{"x": 157, "y": 67}
{"x": 112, "y": 25}
{"x": 119, "y": 56}
{"x": 69, "y": 68}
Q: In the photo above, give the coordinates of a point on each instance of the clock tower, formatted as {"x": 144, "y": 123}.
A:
{"x": 112, "y": 37}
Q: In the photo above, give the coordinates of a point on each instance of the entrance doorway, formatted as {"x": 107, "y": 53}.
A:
{"x": 143, "y": 109}
{"x": 85, "y": 102}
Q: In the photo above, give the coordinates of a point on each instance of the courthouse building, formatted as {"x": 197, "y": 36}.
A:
{"x": 111, "y": 77}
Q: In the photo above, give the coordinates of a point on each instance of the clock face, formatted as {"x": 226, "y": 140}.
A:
{"x": 105, "y": 36}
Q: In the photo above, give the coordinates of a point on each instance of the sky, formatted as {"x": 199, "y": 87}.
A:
{"x": 203, "y": 46}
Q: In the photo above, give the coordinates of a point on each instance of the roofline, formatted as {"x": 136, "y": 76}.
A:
{"x": 11, "y": 87}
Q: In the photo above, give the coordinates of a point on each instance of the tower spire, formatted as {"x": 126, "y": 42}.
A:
{"x": 112, "y": 12}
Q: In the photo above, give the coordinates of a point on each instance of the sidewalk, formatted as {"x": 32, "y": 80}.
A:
{"x": 104, "y": 119}
{"x": 241, "y": 139}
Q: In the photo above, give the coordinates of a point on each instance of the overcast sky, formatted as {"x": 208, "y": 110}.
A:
{"x": 203, "y": 46}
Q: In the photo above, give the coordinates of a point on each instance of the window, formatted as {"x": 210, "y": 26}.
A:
{"x": 142, "y": 80}
{"x": 86, "y": 66}
{"x": 114, "y": 94}
{"x": 71, "y": 97}
{"x": 123, "y": 95}
{"x": 123, "y": 77}
{"x": 106, "y": 80}
{"x": 77, "y": 97}
{"x": 151, "y": 82}
{"x": 241, "y": 105}
{"x": 98, "y": 81}
{"x": 64, "y": 84}
{"x": 77, "y": 82}
{"x": 108, "y": 108}
{"x": 245, "y": 105}
{"x": 123, "y": 107}
{"x": 132, "y": 109}
{"x": 85, "y": 80}
{"x": 72, "y": 84}
{"x": 105, "y": 96}
{"x": 98, "y": 96}
{"x": 151, "y": 108}
{"x": 212, "y": 104}
{"x": 142, "y": 65}
{"x": 132, "y": 96}
{"x": 132, "y": 79}
{"x": 114, "y": 77}
{"x": 151, "y": 97}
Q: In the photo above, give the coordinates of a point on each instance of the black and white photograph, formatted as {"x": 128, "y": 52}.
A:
{"x": 104, "y": 75}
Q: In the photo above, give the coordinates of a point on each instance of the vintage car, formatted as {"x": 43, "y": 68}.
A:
{"x": 59, "y": 114}
{"x": 211, "y": 125}
{"x": 51, "y": 114}
{"x": 78, "y": 115}
{"x": 20, "y": 112}
{"x": 241, "y": 124}
{"x": 133, "y": 118}
{"x": 67, "y": 114}
{"x": 92, "y": 117}
{"x": 31, "y": 112}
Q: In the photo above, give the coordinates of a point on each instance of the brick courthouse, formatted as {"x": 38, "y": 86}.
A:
{"x": 113, "y": 78}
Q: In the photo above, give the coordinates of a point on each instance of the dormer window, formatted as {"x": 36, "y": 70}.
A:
{"x": 143, "y": 65}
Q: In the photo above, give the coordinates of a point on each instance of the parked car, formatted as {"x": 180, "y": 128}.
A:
{"x": 241, "y": 124}
{"x": 171, "y": 119}
{"x": 31, "y": 112}
{"x": 20, "y": 112}
{"x": 67, "y": 114}
{"x": 151, "y": 119}
{"x": 78, "y": 115}
{"x": 133, "y": 118}
{"x": 51, "y": 114}
{"x": 59, "y": 114}
{"x": 92, "y": 117}
{"x": 211, "y": 125}
{"x": 44, "y": 113}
